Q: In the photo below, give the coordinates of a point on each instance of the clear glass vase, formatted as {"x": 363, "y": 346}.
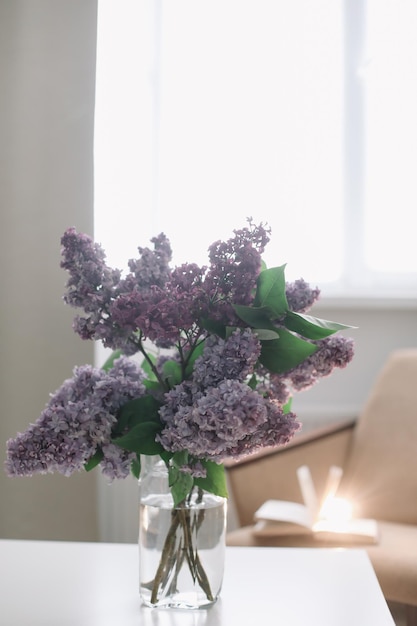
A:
{"x": 181, "y": 549}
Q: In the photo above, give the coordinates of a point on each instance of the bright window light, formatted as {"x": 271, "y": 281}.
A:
{"x": 208, "y": 113}
{"x": 250, "y": 125}
{"x": 391, "y": 136}
{"x": 297, "y": 113}
{"x": 336, "y": 510}
{"x": 123, "y": 138}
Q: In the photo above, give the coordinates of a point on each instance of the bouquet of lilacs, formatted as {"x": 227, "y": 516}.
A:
{"x": 204, "y": 365}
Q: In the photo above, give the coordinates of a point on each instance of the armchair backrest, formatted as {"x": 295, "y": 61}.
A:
{"x": 380, "y": 474}
{"x": 273, "y": 473}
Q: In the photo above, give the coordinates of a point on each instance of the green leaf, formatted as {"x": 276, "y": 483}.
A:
{"x": 172, "y": 373}
{"x": 252, "y": 382}
{"x": 152, "y": 385}
{"x": 110, "y": 361}
{"x": 94, "y": 460}
{"x": 215, "y": 481}
{"x": 256, "y": 317}
{"x": 181, "y": 488}
{"x": 281, "y": 355}
{"x": 180, "y": 458}
{"x": 270, "y": 291}
{"x": 191, "y": 358}
{"x": 141, "y": 439}
{"x": 137, "y": 411}
{"x": 166, "y": 456}
{"x": 229, "y": 330}
{"x": 179, "y": 482}
{"x": 312, "y": 327}
{"x": 213, "y": 327}
{"x": 147, "y": 367}
{"x": 266, "y": 335}
{"x": 135, "y": 467}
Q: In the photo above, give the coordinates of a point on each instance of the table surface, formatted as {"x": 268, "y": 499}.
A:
{"x": 48, "y": 583}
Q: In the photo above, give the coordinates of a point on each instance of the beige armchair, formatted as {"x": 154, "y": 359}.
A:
{"x": 378, "y": 453}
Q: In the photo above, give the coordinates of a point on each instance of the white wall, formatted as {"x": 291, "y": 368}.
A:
{"x": 382, "y": 326}
{"x": 47, "y": 64}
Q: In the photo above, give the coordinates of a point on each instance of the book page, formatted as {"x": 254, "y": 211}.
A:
{"x": 308, "y": 490}
{"x": 280, "y": 511}
{"x": 366, "y": 529}
{"x": 334, "y": 477}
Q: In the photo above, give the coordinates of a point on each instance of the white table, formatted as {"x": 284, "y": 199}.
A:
{"x": 93, "y": 584}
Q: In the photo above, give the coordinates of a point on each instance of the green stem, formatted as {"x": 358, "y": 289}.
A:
{"x": 165, "y": 556}
{"x": 193, "y": 558}
{"x": 151, "y": 364}
{"x": 172, "y": 557}
{"x": 178, "y": 565}
{"x": 193, "y": 343}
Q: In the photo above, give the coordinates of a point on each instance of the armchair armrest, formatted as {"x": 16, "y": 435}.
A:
{"x": 273, "y": 473}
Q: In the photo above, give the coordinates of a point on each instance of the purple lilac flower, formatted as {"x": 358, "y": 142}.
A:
{"x": 180, "y": 396}
{"x": 184, "y": 300}
{"x": 163, "y": 314}
{"x": 140, "y": 293}
{"x": 234, "y": 358}
{"x": 91, "y": 283}
{"x": 169, "y": 313}
{"x": 300, "y": 296}
{"x": 114, "y": 307}
{"x": 116, "y": 462}
{"x": 216, "y": 421}
{"x": 92, "y": 286}
{"x": 76, "y": 422}
{"x": 234, "y": 268}
{"x": 278, "y": 429}
{"x": 152, "y": 268}
{"x": 195, "y": 468}
{"x": 272, "y": 386}
{"x": 161, "y": 303}
{"x": 334, "y": 351}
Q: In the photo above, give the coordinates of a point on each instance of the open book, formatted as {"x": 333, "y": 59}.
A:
{"x": 326, "y": 521}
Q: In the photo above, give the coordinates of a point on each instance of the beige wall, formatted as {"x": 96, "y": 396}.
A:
{"x": 47, "y": 68}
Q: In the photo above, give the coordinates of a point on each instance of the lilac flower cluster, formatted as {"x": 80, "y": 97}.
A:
{"x": 217, "y": 414}
{"x": 154, "y": 301}
{"x": 152, "y": 268}
{"x": 334, "y": 351}
{"x": 273, "y": 386}
{"x": 92, "y": 286}
{"x": 234, "y": 268}
{"x": 217, "y": 419}
{"x": 114, "y": 306}
{"x": 92, "y": 283}
{"x": 234, "y": 358}
{"x": 78, "y": 420}
{"x": 230, "y": 420}
{"x": 300, "y": 296}
{"x": 164, "y": 314}
{"x": 224, "y": 403}
{"x": 278, "y": 429}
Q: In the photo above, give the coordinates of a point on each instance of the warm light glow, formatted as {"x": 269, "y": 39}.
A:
{"x": 336, "y": 510}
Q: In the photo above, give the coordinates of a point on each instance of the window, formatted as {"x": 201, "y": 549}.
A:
{"x": 299, "y": 114}
{"x": 390, "y": 136}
